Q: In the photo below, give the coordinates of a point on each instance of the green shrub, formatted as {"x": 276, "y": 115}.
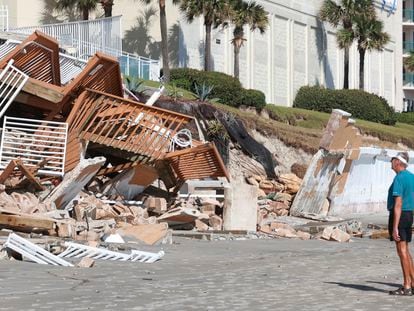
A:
{"x": 406, "y": 117}
{"x": 253, "y": 98}
{"x": 360, "y": 104}
{"x": 226, "y": 88}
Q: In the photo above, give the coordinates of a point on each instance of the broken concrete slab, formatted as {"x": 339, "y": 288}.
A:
{"x": 86, "y": 262}
{"x": 181, "y": 216}
{"x": 149, "y": 234}
{"x": 131, "y": 182}
{"x": 74, "y": 181}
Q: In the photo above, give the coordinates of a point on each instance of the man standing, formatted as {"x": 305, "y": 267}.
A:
{"x": 400, "y": 204}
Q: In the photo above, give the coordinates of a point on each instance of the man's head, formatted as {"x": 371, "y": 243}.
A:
{"x": 400, "y": 161}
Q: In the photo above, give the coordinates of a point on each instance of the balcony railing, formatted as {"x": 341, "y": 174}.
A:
{"x": 4, "y": 18}
{"x": 85, "y": 38}
{"x": 408, "y": 16}
{"x": 408, "y": 79}
{"x": 103, "y": 32}
{"x": 408, "y": 46}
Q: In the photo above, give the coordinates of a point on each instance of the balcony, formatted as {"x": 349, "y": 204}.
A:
{"x": 408, "y": 46}
{"x": 408, "y": 80}
{"x": 408, "y": 16}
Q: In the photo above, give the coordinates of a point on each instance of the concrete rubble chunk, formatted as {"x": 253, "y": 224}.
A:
{"x": 209, "y": 209}
{"x": 291, "y": 182}
{"x": 216, "y": 222}
{"x": 86, "y": 262}
{"x": 157, "y": 205}
{"x": 74, "y": 181}
{"x": 150, "y": 234}
{"x": 340, "y": 236}
{"x": 201, "y": 226}
{"x": 181, "y": 216}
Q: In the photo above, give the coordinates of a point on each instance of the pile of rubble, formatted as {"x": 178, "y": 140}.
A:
{"x": 77, "y": 149}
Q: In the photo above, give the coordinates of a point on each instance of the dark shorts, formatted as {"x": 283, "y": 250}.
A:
{"x": 404, "y": 227}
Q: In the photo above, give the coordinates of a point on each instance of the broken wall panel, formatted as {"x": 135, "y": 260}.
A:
{"x": 367, "y": 183}
{"x": 102, "y": 73}
{"x": 38, "y": 57}
{"x": 316, "y": 185}
{"x": 34, "y": 142}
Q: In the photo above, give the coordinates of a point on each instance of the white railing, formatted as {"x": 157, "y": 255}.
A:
{"x": 83, "y": 39}
{"x": 104, "y": 33}
{"x": 70, "y": 67}
{"x": 131, "y": 65}
{"x": 11, "y": 82}
{"x": 35, "y": 142}
{"x": 4, "y": 18}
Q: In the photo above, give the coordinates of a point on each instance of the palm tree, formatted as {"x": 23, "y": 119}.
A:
{"x": 409, "y": 62}
{"x": 250, "y": 14}
{"x": 107, "y": 7}
{"x": 214, "y": 12}
{"x": 164, "y": 39}
{"x": 370, "y": 36}
{"x": 83, "y": 6}
{"x": 342, "y": 15}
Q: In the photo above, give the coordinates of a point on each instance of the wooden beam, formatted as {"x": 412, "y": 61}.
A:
{"x": 50, "y": 92}
{"x": 7, "y": 171}
{"x": 35, "y": 101}
{"x": 26, "y": 172}
{"x": 26, "y": 222}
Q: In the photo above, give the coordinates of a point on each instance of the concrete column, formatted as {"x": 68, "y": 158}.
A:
{"x": 307, "y": 31}
{"x": 290, "y": 66}
{"x": 240, "y": 207}
{"x": 270, "y": 74}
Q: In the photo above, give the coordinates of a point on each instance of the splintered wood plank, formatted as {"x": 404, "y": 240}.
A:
{"x": 26, "y": 222}
{"x": 29, "y": 175}
{"x": 7, "y": 171}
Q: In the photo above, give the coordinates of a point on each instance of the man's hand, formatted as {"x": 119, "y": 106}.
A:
{"x": 396, "y": 235}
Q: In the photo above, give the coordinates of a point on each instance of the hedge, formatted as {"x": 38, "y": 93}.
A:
{"x": 360, "y": 104}
{"x": 406, "y": 117}
{"x": 253, "y": 98}
{"x": 227, "y": 89}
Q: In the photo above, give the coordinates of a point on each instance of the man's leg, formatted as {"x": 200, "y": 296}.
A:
{"x": 412, "y": 267}
{"x": 406, "y": 262}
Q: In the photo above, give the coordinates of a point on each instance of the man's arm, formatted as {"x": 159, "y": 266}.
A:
{"x": 397, "y": 216}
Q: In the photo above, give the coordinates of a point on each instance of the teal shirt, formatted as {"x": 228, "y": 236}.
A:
{"x": 402, "y": 186}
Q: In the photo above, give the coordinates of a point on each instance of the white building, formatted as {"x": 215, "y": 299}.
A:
{"x": 297, "y": 49}
{"x": 408, "y": 45}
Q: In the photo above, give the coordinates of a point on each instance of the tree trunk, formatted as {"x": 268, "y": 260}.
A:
{"x": 361, "y": 68}
{"x": 164, "y": 42}
{"x": 207, "y": 52}
{"x": 85, "y": 14}
{"x": 107, "y": 6}
{"x": 236, "y": 60}
{"x": 346, "y": 68}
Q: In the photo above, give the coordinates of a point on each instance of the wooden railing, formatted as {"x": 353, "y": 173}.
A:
{"x": 124, "y": 124}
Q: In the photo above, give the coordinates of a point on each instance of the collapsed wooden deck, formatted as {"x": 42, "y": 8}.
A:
{"x": 97, "y": 114}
